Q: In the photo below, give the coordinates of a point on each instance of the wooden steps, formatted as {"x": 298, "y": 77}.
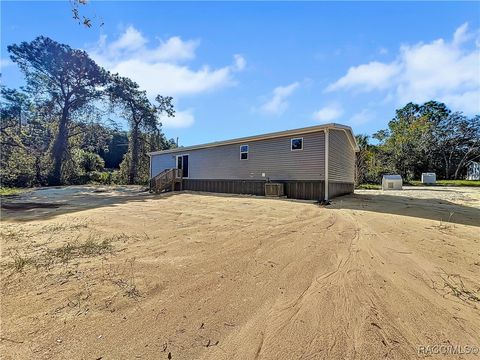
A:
{"x": 166, "y": 180}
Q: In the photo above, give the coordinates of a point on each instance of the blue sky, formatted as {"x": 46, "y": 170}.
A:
{"x": 238, "y": 69}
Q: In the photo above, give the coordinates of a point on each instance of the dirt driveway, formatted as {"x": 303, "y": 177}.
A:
{"x": 116, "y": 273}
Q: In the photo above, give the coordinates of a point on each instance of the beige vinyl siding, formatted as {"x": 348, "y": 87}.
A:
{"x": 270, "y": 156}
{"x": 341, "y": 157}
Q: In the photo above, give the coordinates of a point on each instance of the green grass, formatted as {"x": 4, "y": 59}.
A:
{"x": 459, "y": 182}
{"x": 369, "y": 186}
{"x": 474, "y": 183}
{"x": 6, "y": 191}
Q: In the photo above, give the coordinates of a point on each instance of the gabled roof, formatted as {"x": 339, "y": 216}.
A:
{"x": 293, "y": 132}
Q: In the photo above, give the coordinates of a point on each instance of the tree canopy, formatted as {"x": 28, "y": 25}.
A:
{"x": 423, "y": 138}
{"x": 59, "y": 124}
{"x": 62, "y": 80}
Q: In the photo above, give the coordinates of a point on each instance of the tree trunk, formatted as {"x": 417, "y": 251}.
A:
{"x": 132, "y": 174}
{"x": 447, "y": 170}
{"x": 448, "y": 163}
{"x": 38, "y": 170}
{"x": 59, "y": 148}
{"x": 461, "y": 163}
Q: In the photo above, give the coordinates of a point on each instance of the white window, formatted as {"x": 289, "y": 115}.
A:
{"x": 243, "y": 152}
{"x": 296, "y": 144}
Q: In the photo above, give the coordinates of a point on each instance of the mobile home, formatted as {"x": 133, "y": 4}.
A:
{"x": 316, "y": 163}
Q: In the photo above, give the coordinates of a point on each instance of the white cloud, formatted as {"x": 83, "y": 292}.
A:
{"x": 172, "y": 79}
{"x": 461, "y": 35}
{"x": 157, "y": 68}
{"x": 362, "y": 117}
{"x": 162, "y": 68}
{"x": 278, "y": 102}
{"x": 182, "y": 119}
{"x": 374, "y": 75}
{"x": 328, "y": 113}
{"x": 5, "y": 62}
{"x": 441, "y": 70}
{"x": 133, "y": 45}
{"x": 131, "y": 39}
{"x": 175, "y": 49}
{"x": 468, "y": 101}
{"x": 240, "y": 62}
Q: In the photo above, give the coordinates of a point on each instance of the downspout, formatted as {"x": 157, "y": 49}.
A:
{"x": 150, "y": 156}
{"x": 326, "y": 164}
{"x": 150, "y": 180}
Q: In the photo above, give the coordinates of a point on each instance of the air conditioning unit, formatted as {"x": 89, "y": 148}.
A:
{"x": 274, "y": 189}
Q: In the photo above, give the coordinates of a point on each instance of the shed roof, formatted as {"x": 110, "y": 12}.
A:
{"x": 292, "y": 132}
{"x": 392, "y": 177}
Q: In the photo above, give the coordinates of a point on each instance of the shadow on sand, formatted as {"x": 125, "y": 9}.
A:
{"x": 432, "y": 209}
{"x": 46, "y": 203}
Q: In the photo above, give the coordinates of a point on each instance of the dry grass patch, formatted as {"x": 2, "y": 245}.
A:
{"x": 124, "y": 279}
{"x": 61, "y": 255}
{"x": 14, "y": 233}
{"x": 60, "y": 227}
{"x": 455, "y": 284}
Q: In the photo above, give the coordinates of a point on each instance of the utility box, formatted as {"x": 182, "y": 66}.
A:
{"x": 392, "y": 182}
{"x": 274, "y": 189}
{"x": 429, "y": 178}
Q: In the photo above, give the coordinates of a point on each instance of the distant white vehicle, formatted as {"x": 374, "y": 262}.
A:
{"x": 429, "y": 178}
{"x": 473, "y": 171}
{"x": 392, "y": 182}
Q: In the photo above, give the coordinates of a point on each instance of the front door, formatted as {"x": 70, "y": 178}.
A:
{"x": 182, "y": 163}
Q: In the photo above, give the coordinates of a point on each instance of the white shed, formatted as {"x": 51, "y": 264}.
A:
{"x": 429, "y": 178}
{"x": 392, "y": 182}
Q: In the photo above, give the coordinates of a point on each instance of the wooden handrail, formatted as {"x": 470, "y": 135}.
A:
{"x": 165, "y": 179}
{"x": 160, "y": 174}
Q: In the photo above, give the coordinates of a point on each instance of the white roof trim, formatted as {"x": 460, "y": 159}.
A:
{"x": 305, "y": 130}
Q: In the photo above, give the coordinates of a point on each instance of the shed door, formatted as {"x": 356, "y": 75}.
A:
{"x": 182, "y": 163}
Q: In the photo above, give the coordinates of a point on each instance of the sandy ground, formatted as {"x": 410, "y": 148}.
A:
{"x": 115, "y": 273}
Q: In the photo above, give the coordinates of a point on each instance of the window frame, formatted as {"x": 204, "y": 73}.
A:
{"x": 291, "y": 144}
{"x": 244, "y": 152}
